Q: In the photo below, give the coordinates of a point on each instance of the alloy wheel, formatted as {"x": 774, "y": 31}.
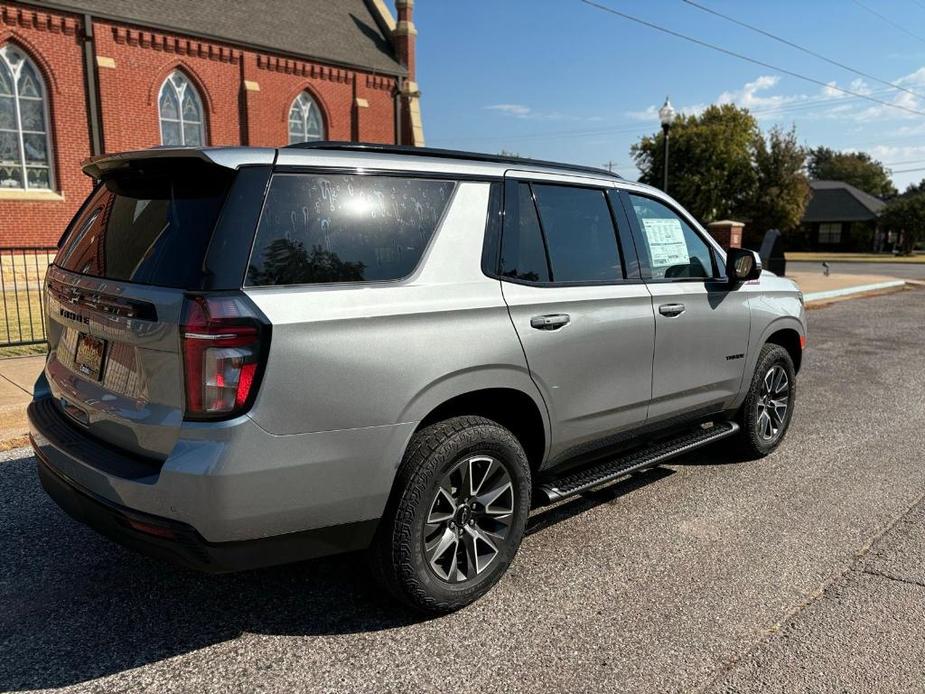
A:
{"x": 469, "y": 518}
{"x": 773, "y": 401}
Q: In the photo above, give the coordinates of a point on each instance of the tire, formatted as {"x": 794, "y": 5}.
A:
{"x": 763, "y": 424}
{"x": 418, "y": 562}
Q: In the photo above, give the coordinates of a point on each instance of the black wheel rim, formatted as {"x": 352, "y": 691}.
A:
{"x": 469, "y": 519}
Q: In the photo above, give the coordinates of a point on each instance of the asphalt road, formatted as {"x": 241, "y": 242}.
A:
{"x": 905, "y": 271}
{"x": 805, "y": 570}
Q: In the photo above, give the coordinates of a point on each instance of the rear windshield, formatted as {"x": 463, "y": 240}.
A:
{"x": 344, "y": 228}
{"x": 150, "y": 224}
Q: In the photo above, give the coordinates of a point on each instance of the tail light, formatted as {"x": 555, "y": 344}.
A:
{"x": 224, "y": 340}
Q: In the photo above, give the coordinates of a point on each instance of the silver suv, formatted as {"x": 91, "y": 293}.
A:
{"x": 259, "y": 356}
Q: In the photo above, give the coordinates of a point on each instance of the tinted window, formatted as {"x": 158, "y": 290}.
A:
{"x": 522, "y": 254}
{"x": 673, "y": 247}
{"x": 344, "y": 228}
{"x": 150, "y": 226}
{"x": 579, "y": 233}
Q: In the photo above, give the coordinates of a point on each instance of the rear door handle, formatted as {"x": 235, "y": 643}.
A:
{"x": 550, "y": 322}
{"x": 671, "y": 310}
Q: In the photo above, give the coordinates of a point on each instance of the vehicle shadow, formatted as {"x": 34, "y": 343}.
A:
{"x": 546, "y": 517}
{"x": 75, "y": 606}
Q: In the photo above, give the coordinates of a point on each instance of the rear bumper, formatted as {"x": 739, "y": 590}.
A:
{"x": 180, "y": 544}
{"x": 230, "y": 495}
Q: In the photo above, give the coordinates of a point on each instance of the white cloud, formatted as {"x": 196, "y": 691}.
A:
{"x": 750, "y": 97}
{"x": 828, "y": 102}
{"x": 651, "y": 112}
{"x": 527, "y": 112}
{"x": 518, "y": 110}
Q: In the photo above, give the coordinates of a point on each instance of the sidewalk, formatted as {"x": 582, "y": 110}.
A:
{"x": 819, "y": 288}
{"x": 17, "y": 376}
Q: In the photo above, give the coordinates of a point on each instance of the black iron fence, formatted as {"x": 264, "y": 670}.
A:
{"x": 22, "y": 285}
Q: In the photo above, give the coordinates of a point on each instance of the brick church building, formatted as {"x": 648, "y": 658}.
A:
{"x": 84, "y": 77}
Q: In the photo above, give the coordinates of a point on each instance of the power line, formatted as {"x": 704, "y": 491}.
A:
{"x": 808, "y": 51}
{"x": 889, "y": 21}
{"x": 899, "y": 171}
{"x": 748, "y": 59}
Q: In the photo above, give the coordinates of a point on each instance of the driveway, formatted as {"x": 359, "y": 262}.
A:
{"x": 707, "y": 574}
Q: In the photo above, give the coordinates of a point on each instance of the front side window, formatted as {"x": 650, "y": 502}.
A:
{"x": 25, "y": 151}
{"x": 674, "y": 249}
{"x": 180, "y": 111}
{"x": 305, "y": 122}
{"x": 344, "y": 228}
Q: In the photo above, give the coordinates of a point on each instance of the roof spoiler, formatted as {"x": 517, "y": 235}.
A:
{"x": 228, "y": 157}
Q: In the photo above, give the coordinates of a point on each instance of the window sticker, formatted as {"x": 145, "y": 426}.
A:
{"x": 666, "y": 242}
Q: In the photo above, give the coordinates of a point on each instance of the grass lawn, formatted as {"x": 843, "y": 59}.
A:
{"x": 854, "y": 257}
{"x": 21, "y": 310}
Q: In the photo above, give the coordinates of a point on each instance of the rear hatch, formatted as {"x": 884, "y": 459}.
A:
{"x": 115, "y": 297}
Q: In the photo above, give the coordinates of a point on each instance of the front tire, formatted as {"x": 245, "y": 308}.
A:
{"x": 456, "y": 516}
{"x": 768, "y": 408}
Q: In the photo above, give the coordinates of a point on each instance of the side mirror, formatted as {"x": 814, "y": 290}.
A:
{"x": 742, "y": 265}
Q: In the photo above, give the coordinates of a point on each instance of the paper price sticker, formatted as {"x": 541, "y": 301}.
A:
{"x": 666, "y": 242}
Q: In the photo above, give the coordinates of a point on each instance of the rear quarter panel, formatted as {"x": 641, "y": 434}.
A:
{"x": 350, "y": 356}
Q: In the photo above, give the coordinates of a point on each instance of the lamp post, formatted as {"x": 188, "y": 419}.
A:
{"x": 666, "y": 114}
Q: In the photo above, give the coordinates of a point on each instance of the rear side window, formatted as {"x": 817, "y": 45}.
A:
{"x": 523, "y": 256}
{"x": 344, "y": 228}
{"x": 580, "y": 235}
{"x": 150, "y": 224}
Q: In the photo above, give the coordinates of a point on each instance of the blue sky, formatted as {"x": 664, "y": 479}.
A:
{"x": 561, "y": 80}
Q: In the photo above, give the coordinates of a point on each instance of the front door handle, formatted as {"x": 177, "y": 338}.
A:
{"x": 550, "y": 322}
{"x": 671, "y": 310}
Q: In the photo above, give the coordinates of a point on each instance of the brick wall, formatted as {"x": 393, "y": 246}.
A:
{"x": 246, "y": 96}
{"x": 53, "y": 43}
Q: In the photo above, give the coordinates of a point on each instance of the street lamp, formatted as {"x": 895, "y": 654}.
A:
{"x": 666, "y": 114}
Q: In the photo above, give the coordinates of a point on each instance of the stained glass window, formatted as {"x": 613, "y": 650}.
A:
{"x": 25, "y": 152}
{"x": 305, "y": 123}
{"x": 180, "y": 112}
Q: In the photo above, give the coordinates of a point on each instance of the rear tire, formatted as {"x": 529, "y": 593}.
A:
{"x": 768, "y": 408}
{"x": 456, "y": 516}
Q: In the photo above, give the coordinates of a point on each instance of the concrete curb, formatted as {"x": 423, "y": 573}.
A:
{"x": 858, "y": 290}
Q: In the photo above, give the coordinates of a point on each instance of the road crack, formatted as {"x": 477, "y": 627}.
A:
{"x": 814, "y": 596}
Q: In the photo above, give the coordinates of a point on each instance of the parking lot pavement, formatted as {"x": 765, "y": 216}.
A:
{"x": 865, "y": 633}
{"x": 706, "y": 574}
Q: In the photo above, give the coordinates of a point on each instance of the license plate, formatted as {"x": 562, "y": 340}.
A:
{"x": 89, "y": 357}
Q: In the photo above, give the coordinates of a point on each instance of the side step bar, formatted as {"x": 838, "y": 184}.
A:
{"x": 577, "y": 481}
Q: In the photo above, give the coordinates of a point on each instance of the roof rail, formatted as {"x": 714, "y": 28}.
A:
{"x": 334, "y": 145}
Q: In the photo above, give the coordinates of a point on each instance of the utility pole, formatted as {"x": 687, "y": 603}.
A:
{"x": 610, "y": 165}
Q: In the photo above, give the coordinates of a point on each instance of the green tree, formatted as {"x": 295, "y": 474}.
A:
{"x": 906, "y": 216}
{"x": 857, "y": 168}
{"x": 914, "y": 188}
{"x": 711, "y": 170}
{"x": 782, "y": 191}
